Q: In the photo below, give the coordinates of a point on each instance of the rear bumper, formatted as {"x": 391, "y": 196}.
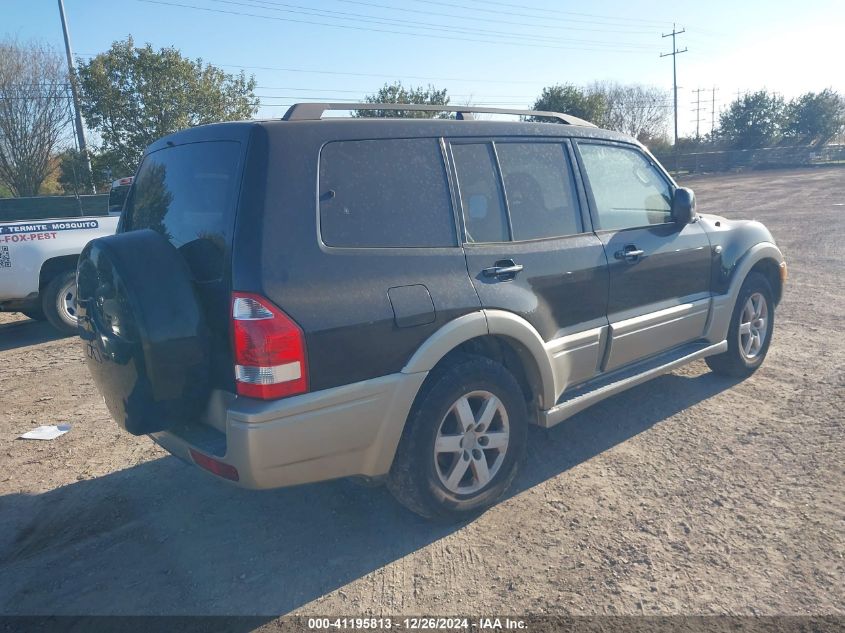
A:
{"x": 340, "y": 432}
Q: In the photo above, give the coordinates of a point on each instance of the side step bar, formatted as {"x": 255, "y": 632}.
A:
{"x": 586, "y": 395}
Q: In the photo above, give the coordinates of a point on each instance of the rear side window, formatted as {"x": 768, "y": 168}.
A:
{"x": 385, "y": 193}
{"x": 481, "y": 194}
{"x": 540, "y": 190}
{"x": 188, "y": 194}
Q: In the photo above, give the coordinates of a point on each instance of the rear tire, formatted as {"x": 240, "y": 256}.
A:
{"x": 752, "y": 326}
{"x": 58, "y": 302}
{"x": 463, "y": 441}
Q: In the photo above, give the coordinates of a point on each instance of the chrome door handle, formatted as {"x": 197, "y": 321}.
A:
{"x": 508, "y": 271}
{"x": 630, "y": 253}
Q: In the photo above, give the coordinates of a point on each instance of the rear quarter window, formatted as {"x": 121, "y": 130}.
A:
{"x": 385, "y": 193}
{"x": 188, "y": 194}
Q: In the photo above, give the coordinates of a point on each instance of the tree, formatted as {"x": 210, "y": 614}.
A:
{"x": 133, "y": 96}
{"x": 572, "y": 100}
{"x": 34, "y": 114}
{"x": 816, "y": 117}
{"x": 634, "y": 109}
{"x": 397, "y": 93}
{"x": 73, "y": 168}
{"x": 754, "y": 120}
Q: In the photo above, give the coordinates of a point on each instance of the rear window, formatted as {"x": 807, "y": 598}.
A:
{"x": 385, "y": 193}
{"x": 187, "y": 193}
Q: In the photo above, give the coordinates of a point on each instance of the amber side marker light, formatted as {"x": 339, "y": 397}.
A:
{"x": 784, "y": 273}
{"x": 213, "y": 466}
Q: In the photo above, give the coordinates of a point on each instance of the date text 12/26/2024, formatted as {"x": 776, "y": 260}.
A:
{"x": 417, "y": 624}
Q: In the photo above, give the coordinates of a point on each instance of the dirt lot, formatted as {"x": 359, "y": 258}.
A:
{"x": 692, "y": 494}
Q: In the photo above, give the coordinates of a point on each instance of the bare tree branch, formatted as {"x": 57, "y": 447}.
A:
{"x": 637, "y": 110}
{"x": 34, "y": 113}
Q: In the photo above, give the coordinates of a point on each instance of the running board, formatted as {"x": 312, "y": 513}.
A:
{"x": 582, "y": 397}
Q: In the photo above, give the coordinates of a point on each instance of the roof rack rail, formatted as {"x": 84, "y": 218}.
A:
{"x": 315, "y": 111}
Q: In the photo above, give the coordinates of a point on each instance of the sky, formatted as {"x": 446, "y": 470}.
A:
{"x": 499, "y": 53}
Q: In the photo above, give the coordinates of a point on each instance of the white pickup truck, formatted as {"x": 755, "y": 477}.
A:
{"x": 38, "y": 265}
{"x": 38, "y": 261}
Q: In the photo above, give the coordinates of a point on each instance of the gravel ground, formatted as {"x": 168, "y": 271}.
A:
{"x": 692, "y": 494}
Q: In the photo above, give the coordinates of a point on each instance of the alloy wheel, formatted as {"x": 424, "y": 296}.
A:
{"x": 472, "y": 441}
{"x": 753, "y": 326}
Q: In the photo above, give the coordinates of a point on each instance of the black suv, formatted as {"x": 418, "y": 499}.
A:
{"x": 297, "y": 300}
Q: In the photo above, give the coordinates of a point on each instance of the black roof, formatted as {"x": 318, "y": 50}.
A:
{"x": 331, "y": 128}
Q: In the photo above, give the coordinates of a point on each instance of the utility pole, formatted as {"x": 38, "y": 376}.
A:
{"x": 698, "y": 92}
{"x": 675, "y": 52}
{"x": 80, "y": 129}
{"x": 713, "y": 113}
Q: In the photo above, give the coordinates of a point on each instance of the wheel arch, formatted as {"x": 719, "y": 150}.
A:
{"x": 770, "y": 269}
{"x": 497, "y": 334}
{"x": 55, "y": 266}
{"x": 764, "y": 257}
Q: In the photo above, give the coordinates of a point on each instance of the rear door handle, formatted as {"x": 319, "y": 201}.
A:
{"x": 505, "y": 269}
{"x": 630, "y": 253}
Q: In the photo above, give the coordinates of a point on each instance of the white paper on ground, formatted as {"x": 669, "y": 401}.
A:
{"x": 49, "y": 432}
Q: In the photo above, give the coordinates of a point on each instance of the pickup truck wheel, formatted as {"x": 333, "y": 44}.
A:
{"x": 750, "y": 333}
{"x": 58, "y": 302}
{"x": 462, "y": 443}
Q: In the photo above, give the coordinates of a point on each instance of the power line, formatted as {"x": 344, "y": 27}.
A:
{"x": 558, "y": 11}
{"x": 366, "y": 90}
{"x": 379, "y": 30}
{"x": 427, "y": 26}
{"x": 290, "y": 100}
{"x": 450, "y": 94}
{"x": 387, "y": 75}
{"x": 477, "y": 18}
{"x": 675, "y": 52}
{"x": 605, "y": 22}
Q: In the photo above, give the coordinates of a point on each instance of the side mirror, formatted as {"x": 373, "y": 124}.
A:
{"x": 683, "y": 206}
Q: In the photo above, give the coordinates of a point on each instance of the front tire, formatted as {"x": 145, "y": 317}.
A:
{"x": 58, "y": 302}
{"x": 463, "y": 441}
{"x": 752, "y": 325}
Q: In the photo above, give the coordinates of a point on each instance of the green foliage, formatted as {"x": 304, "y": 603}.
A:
{"x": 633, "y": 109}
{"x": 660, "y": 145}
{"x": 397, "y": 93}
{"x": 590, "y": 106}
{"x": 5, "y": 192}
{"x": 754, "y": 120}
{"x": 816, "y": 117}
{"x": 133, "y": 96}
{"x": 72, "y": 171}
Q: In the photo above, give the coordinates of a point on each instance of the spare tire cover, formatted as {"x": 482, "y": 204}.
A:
{"x": 144, "y": 334}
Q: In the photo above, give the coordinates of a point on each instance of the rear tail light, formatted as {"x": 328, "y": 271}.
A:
{"x": 269, "y": 349}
